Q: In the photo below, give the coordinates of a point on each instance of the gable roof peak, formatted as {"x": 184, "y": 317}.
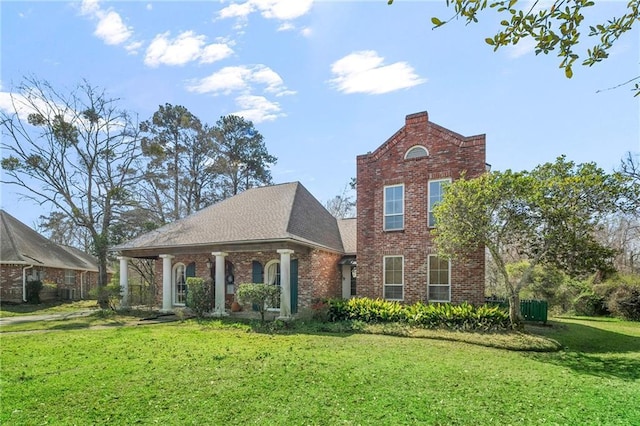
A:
{"x": 416, "y": 117}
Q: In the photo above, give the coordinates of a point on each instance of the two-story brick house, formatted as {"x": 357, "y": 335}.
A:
{"x": 398, "y": 185}
{"x": 282, "y": 235}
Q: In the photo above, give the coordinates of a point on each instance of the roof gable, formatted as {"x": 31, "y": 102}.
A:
{"x": 20, "y": 244}
{"x": 311, "y": 221}
{"x": 419, "y": 123}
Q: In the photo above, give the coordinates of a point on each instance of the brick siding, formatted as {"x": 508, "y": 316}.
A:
{"x": 450, "y": 154}
{"x": 11, "y": 283}
{"x": 318, "y": 273}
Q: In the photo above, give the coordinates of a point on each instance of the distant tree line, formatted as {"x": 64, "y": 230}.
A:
{"x": 110, "y": 177}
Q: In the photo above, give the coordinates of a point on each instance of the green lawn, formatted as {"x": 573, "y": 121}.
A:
{"x": 223, "y": 373}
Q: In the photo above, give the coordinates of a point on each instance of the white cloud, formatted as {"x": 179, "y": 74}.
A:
{"x": 365, "y": 72}
{"x": 306, "y": 32}
{"x": 110, "y": 27}
{"x": 240, "y": 79}
{"x": 281, "y": 10}
{"x": 236, "y": 10}
{"x": 133, "y": 47}
{"x": 186, "y": 47}
{"x": 225, "y": 81}
{"x": 524, "y": 46}
{"x": 149, "y": 6}
{"x": 257, "y": 108}
{"x": 89, "y": 7}
{"x": 29, "y": 102}
{"x": 252, "y": 83}
{"x": 286, "y": 26}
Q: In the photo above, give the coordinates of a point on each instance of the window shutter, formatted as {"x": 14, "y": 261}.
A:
{"x": 257, "y": 272}
{"x": 191, "y": 270}
{"x": 257, "y": 276}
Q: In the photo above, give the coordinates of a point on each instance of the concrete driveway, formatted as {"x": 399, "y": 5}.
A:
{"x": 45, "y": 317}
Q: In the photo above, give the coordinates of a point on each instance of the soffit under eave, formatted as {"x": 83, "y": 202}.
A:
{"x": 155, "y": 252}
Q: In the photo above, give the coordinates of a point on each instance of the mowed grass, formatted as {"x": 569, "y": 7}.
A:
{"x": 215, "y": 372}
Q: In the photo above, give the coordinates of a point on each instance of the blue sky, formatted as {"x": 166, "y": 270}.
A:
{"x": 325, "y": 81}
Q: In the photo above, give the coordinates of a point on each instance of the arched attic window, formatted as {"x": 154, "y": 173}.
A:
{"x": 416, "y": 152}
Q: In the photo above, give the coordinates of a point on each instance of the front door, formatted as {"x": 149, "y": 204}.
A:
{"x": 346, "y": 281}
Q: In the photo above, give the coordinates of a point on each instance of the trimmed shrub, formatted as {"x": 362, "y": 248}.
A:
{"x": 33, "y": 292}
{"x": 589, "y": 304}
{"x": 261, "y": 296}
{"x": 624, "y": 302}
{"x": 199, "y": 295}
{"x": 111, "y": 293}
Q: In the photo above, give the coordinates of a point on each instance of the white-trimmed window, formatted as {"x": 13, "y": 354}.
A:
{"x": 436, "y": 192}
{"x": 416, "y": 152}
{"x": 179, "y": 284}
{"x": 272, "y": 277}
{"x": 69, "y": 277}
{"x": 393, "y": 270}
{"x": 394, "y": 207}
{"x": 439, "y": 279}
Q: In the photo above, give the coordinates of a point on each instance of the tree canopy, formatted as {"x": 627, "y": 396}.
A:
{"x": 343, "y": 205}
{"x": 548, "y": 216}
{"x": 178, "y": 162}
{"x": 108, "y": 178}
{"x": 76, "y": 151}
{"x": 553, "y": 25}
{"x": 242, "y": 160}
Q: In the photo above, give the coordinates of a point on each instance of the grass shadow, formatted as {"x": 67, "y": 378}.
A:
{"x": 618, "y": 366}
{"x": 593, "y": 350}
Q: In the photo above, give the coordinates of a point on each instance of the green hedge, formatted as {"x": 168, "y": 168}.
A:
{"x": 438, "y": 315}
{"x": 199, "y": 295}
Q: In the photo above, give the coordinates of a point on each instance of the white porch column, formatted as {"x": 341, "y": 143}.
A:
{"x": 166, "y": 282}
{"x": 124, "y": 281}
{"x": 219, "y": 284}
{"x": 285, "y": 283}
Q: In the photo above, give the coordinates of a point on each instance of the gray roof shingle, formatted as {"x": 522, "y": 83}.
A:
{"x": 279, "y": 212}
{"x": 19, "y": 244}
{"x": 348, "y": 232}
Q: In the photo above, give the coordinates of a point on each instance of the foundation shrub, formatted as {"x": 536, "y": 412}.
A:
{"x": 440, "y": 315}
{"x": 33, "y": 292}
{"x": 199, "y": 295}
{"x": 261, "y": 296}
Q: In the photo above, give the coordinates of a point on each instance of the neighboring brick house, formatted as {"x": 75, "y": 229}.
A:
{"x": 398, "y": 185}
{"x": 26, "y": 256}
{"x": 281, "y": 234}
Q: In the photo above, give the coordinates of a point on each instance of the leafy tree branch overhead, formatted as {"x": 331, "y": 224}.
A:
{"x": 554, "y": 25}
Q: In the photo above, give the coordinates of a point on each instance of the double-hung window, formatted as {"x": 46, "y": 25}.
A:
{"x": 69, "y": 277}
{"x": 393, "y": 207}
{"x": 393, "y": 277}
{"x": 436, "y": 192}
{"x": 439, "y": 279}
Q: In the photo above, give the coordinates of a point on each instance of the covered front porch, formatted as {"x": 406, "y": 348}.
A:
{"x": 225, "y": 270}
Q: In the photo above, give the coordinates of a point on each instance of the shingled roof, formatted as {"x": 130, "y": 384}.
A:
{"x": 284, "y": 212}
{"x": 348, "y": 232}
{"x": 21, "y": 245}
